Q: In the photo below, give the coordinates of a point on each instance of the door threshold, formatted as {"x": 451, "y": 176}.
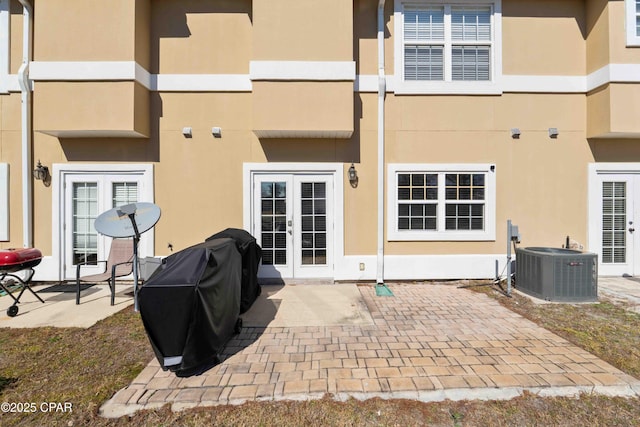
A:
{"x": 292, "y": 281}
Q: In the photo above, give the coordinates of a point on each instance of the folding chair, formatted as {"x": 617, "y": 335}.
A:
{"x": 118, "y": 264}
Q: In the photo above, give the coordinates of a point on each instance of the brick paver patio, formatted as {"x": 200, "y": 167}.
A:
{"x": 429, "y": 342}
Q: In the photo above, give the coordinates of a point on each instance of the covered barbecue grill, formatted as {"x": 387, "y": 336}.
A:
{"x": 13, "y": 261}
{"x": 190, "y": 305}
{"x": 251, "y": 254}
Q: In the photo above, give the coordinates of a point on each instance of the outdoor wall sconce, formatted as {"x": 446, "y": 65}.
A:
{"x": 553, "y": 133}
{"x": 353, "y": 176}
{"x": 216, "y": 132}
{"x": 187, "y": 132}
{"x": 41, "y": 173}
{"x": 515, "y": 133}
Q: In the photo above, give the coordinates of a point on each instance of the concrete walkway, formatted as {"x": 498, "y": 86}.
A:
{"x": 429, "y": 342}
{"x": 625, "y": 290}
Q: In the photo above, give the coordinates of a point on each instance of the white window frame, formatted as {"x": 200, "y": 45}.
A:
{"x": 58, "y": 178}
{"x": 5, "y": 45}
{"x": 488, "y": 234}
{"x": 4, "y": 201}
{"x": 492, "y": 86}
{"x": 632, "y": 11}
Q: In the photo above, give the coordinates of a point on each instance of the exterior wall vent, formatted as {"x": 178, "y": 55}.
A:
{"x": 556, "y": 274}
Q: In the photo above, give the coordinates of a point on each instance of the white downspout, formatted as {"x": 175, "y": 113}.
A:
{"x": 382, "y": 88}
{"x": 25, "y": 87}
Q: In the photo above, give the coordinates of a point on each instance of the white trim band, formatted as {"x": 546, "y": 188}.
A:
{"x": 201, "y": 83}
{"x": 303, "y": 70}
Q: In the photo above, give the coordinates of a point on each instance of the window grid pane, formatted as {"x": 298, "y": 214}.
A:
{"x": 471, "y": 24}
{"x": 638, "y": 18}
{"x": 124, "y": 193}
{"x": 273, "y": 225}
{"x": 470, "y": 63}
{"x": 424, "y": 24}
{"x": 423, "y": 63}
{"x": 313, "y": 199}
{"x": 85, "y": 209}
{"x": 614, "y": 219}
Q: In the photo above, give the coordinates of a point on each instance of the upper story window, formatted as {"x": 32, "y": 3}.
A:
{"x": 448, "y": 48}
{"x": 633, "y": 22}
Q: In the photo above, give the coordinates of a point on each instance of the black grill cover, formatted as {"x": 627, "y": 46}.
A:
{"x": 251, "y": 254}
{"x": 190, "y": 305}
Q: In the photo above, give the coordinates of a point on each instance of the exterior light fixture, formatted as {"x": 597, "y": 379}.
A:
{"x": 216, "y": 132}
{"x": 187, "y": 132}
{"x": 41, "y": 173}
{"x": 353, "y": 176}
{"x": 515, "y": 133}
{"x": 553, "y": 133}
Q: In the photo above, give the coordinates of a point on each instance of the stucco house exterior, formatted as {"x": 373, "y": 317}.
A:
{"x": 355, "y": 139}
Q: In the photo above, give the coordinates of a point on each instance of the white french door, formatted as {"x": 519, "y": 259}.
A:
{"x": 292, "y": 220}
{"x": 619, "y": 213}
{"x": 86, "y": 196}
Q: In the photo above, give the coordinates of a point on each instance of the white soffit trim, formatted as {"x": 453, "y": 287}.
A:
{"x": 303, "y": 70}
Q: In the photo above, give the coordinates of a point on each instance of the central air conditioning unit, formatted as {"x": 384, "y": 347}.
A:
{"x": 554, "y": 274}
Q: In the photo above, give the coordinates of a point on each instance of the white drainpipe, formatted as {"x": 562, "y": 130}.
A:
{"x": 382, "y": 88}
{"x": 25, "y": 87}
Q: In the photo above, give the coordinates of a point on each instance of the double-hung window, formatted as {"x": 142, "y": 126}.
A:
{"x": 632, "y": 11}
{"x": 441, "y": 202}
{"x": 448, "y": 47}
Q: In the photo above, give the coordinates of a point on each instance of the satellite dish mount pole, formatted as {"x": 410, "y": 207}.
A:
{"x": 130, "y": 210}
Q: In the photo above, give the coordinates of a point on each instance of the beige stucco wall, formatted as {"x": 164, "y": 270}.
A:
{"x": 310, "y": 30}
{"x": 87, "y": 30}
{"x": 614, "y": 111}
{"x": 606, "y": 41}
{"x": 539, "y": 180}
{"x": 620, "y": 53}
{"x": 10, "y": 152}
{"x": 86, "y": 108}
{"x": 196, "y": 37}
{"x": 142, "y": 38}
{"x": 598, "y": 28}
{"x": 543, "y": 37}
{"x": 323, "y": 107}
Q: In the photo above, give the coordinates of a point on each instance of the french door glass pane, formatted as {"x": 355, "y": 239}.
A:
{"x": 614, "y": 219}
{"x": 313, "y": 199}
{"x": 273, "y": 207}
{"x": 85, "y": 210}
{"x": 124, "y": 193}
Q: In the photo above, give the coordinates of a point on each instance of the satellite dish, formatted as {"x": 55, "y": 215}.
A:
{"x": 129, "y": 221}
{"x": 117, "y": 222}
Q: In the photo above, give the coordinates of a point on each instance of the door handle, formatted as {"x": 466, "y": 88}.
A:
{"x": 290, "y": 231}
{"x": 631, "y": 229}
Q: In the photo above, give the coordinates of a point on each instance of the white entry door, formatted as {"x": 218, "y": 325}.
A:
{"x": 619, "y": 251}
{"x": 87, "y": 196}
{"x": 292, "y": 221}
